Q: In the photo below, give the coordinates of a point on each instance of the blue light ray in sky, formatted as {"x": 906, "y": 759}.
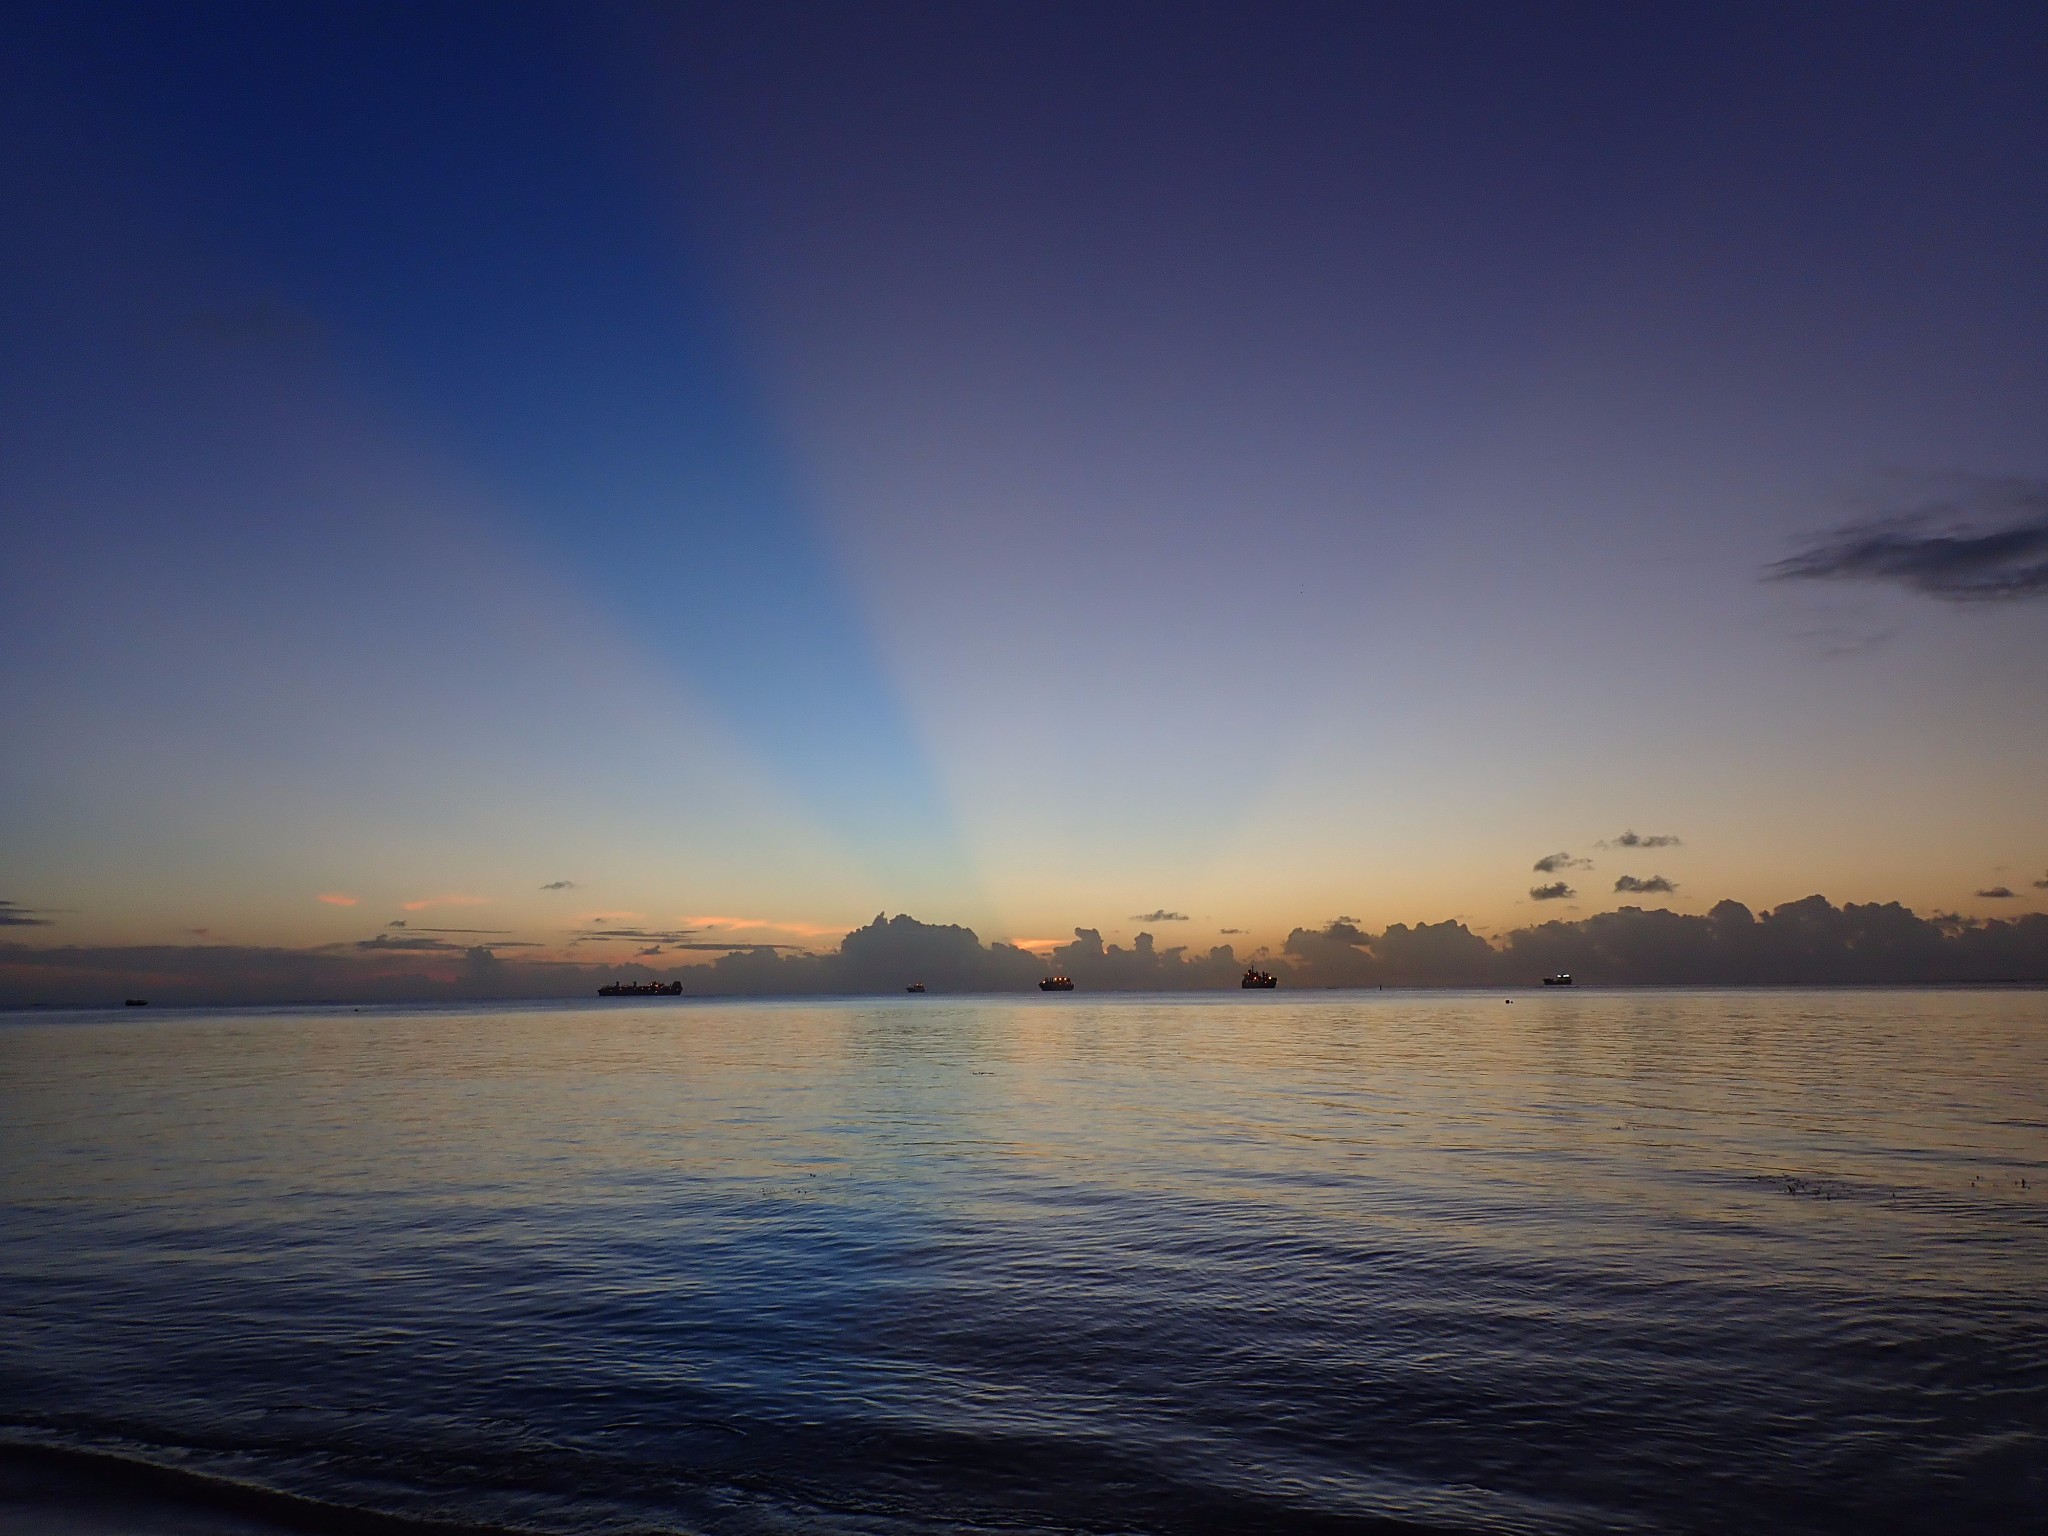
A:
{"x": 459, "y": 207}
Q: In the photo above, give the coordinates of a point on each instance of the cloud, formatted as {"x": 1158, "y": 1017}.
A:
{"x": 749, "y": 924}
{"x": 1806, "y": 942}
{"x": 673, "y": 938}
{"x": 1551, "y": 863}
{"x": 1996, "y": 893}
{"x": 1240, "y": 930}
{"x": 559, "y": 885}
{"x": 441, "y": 901}
{"x": 1161, "y": 916}
{"x": 420, "y": 941}
{"x": 1637, "y": 840}
{"x": 14, "y": 915}
{"x": 1342, "y": 954}
{"x": 1556, "y": 891}
{"x": 1973, "y": 540}
{"x": 1655, "y": 885}
{"x": 2041, "y": 884}
{"x": 1145, "y": 966}
{"x": 334, "y": 899}
{"x": 1847, "y": 637}
{"x": 652, "y": 949}
{"x": 733, "y": 946}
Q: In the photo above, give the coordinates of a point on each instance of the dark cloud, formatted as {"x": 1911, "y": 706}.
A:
{"x": 1637, "y": 840}
{"x": 1144, "y": 967}
{"x": 559, "y": 885}
{"x": 396, "y": 922}
{"x": 1556, "y": 891}
{"x": 1653, "y": 885}
{"x": 1342, "y": 954}
{"x": 1971, "y": 541}
{"x": 884, "y": 956}
{"x": 1161, "y": 916}
{"x": 2041, "y": 884}
{"x": 460, "y": 930}
{"x": 1996, "y": 893}
{"x": 14, "y": 915}
{"x": 672, "y": 938}
{"x": 1551, "y": 863}
{"x": 419, "y": 941}
{"x": 1240, "y": 930}
{"x": 1809, "y": 941}
{"x": 649, "y": 952}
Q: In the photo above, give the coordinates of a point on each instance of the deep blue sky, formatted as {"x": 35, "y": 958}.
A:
{"x": 1032, "y": 464}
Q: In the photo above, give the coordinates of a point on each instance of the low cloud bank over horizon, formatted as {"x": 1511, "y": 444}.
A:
{"x": 1810, "y": 941}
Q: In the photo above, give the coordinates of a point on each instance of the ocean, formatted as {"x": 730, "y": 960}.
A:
{"x": 1569, "y": 1261}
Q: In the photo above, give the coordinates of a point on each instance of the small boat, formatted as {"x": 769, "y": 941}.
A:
{"x": 136, "y": 1002}
{"x": 1254, "y": 978}
{"x": 1561, "y": 979}
{"x": 915, "y": 986}
{"x": 641, "y": 989}
{"x": 1057, "y": 984}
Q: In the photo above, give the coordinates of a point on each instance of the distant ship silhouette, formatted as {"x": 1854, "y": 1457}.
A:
{"x": 1256, "y": 978}
{"x": 1561, "y": 979}
{"x": 641, "y": 989}
{"x": 1056, "y": 984}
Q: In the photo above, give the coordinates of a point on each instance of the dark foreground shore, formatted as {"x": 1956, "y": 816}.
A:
{"x": 48, "y": 1491}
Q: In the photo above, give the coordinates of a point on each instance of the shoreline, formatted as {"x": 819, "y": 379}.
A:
{"x": 60, "y": 1490}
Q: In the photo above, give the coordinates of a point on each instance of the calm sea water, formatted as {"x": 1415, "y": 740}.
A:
{"x": 1587, "y": 1261}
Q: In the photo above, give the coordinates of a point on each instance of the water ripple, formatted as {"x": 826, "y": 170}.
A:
{"x": 1628, "y": 1262}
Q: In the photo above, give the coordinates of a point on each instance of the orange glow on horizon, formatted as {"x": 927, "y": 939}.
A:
{"x": 802, "y": 930}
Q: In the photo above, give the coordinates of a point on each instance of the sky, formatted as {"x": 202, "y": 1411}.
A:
{"x": 503, "y": 473}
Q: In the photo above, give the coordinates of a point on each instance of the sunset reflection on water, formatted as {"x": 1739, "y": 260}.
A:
{"x": 1555, "y": 1261}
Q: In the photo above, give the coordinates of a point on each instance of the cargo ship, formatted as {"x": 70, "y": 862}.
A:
{"x": 915, "y": 986}
{"x": 1561, "y": 979}
{"x": 1057, "y": 984}
{"x": 641, "y": 989}
{"x": 1254, "y": 978}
